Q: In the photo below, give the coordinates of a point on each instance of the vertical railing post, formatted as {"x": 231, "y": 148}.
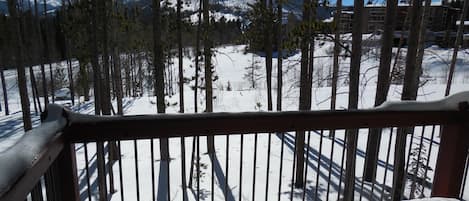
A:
{"x": 67, "y": 172}
{"x": 450, "y": 165}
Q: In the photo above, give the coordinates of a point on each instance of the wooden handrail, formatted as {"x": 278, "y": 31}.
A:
{"x": 101, "y": 128}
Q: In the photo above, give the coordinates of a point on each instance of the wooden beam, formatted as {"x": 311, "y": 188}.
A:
{"x": 92, "y": 128}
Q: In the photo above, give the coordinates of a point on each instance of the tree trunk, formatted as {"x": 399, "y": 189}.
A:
{"x": 16, "y": 39}
{"x": 196, "y": 85}
{"x": 102, "y": 187}
{"x": 34, "y": 89}
{"x": 46, "y": 53}
{"x": 105, "y": 82}
{"x": 208, "y": 70}
{"x": 268, "y": 52}
{"x": 83, "y": 81}
{"x": 181, "y": 72}
{"x": 5, "y": 92}
{"x": 382, "y": 88}
{"x": 197, "y": 56}
{"x": 43, "y": 71}
{"x": 354, "y": 78}
{"x": 409, "y": 92}
{"x": 279, "y": 54}
{"x": 458, "y": 41}
{"x": 305, "y": 89}
{"x": 422, "y": 33}
{"x": 159, "y": 71}
{"x": 335, "y": 65}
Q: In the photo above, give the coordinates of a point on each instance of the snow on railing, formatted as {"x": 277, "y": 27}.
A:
{"x": 450, "y": 103}
{"x": 23, "y": 155}
{"x": 20, "y": 160}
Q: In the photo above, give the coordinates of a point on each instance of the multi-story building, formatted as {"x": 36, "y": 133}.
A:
{"x": 440, "y": 18}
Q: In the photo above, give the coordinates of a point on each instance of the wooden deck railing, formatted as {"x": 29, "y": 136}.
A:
{"x": 52, "y": 165}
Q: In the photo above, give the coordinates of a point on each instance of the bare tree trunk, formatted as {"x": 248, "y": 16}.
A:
{"x": 70, "y": 78}
{"x": 196, "y": 85}
{"x": 354, "y": 78}
{"x": 5, "y": 92}
{"x": 279, "y": 54}
{"x": 335, "y": 66}
{"x": 159, "y": 71}
{"x": 382, "y": 87}
{"x": 118, "y": 81}
{"x": 16, "y": 39}
{"x": 422, "y": 33}
{"x": 105, "y": 82}
{"x": 305, "y": 89}
{"x": 84, "y": 83}
{"x": 268, "y": 52}
{"x": 69, "y": 60}
{"x": 409, "y": 92}
{"x": 197, "y": 56}
{"x": 102, "y": 187}
{"x": 36, "y": 112}
{"x": 208, "y": 70}
{"x": 181, "y": 72}
{"x": 43, "y": 71}
{"x": 34, "y": 89}
{"x": 458, "y": 41}
{"x": 47, "y": 55}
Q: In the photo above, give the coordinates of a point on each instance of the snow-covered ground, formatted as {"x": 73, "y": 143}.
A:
{"x": 230, "y": 63}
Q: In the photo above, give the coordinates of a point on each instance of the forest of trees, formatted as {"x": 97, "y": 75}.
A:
{"x": 110, "y": 41}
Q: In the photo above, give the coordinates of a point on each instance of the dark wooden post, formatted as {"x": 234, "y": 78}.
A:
{"x": 67, "y": 171}
{"x": 449, "y": 171}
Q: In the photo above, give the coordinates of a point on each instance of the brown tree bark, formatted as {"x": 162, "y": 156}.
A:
{"x": 305, "y": 88}
{"x": 208, "y": 69}
{"x": 47, "y": 54}
{"x": 354, "y": 80}
{"x": 5, "y": 92}
{"x": 16, "y": 39}
{"x": 337, "y": 48}
{"x": 43, "y": 71}
{"x": 382, "y": 87}
{"x": 158, "y": 64}
{"x": 409, "y": 92}
{"x": 279, "y": 54}
{"x": 268, "y": 51}
{"x": 180, "y": 63}
{"x": 458, "y": 42}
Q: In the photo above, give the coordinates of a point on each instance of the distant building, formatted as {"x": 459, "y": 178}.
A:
{"x": 441, "y": 24}
{"x": 440, "y": 18}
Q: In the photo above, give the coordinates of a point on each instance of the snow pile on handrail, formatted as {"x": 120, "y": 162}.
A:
{"x": 15, "y": 161}
{"x": 435, "y": 199}
{"x": 449, "y": 103}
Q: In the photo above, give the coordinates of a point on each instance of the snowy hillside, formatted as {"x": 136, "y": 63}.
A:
{"x": 234, "y": 93}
